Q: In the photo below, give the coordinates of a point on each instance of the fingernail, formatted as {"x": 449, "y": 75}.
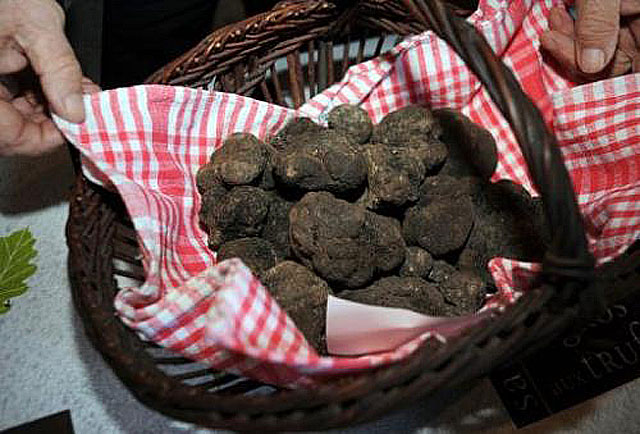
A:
{"x": 591, "y": 60}
{"x": 74, "y": 108}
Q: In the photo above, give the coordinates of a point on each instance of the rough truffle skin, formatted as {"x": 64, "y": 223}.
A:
{"x": 417, "y": 263}
{"x": 343, "y": 243}
{"x": 210, "y": 198}
{"x": 510, "y": 222}
{"x": 352, "y": 121}
{"x": 441, "y": 227}
{"x": 384, "y": 237}
{"x": 256, "y": 253}
{"x": 303, "y": 296}
{"x": 463, "y": 291}
{"x": 472, "y": 149}
{"x": 241, "y": 212}
{"x": 444, "y": 187}
{"x": 241, "y": 160}
{"x": 405, "y": 126}
{"x": 441, "y": 271}
{"x": 276, "y": 227}
{"x": 411, "y": 293}
{"x": 415, "y": 128}
{"x": 287, "y": 136}
{"x": 394, "y": 176}
{"x": 323, "y": 160}
{"x": 206, "y": 179}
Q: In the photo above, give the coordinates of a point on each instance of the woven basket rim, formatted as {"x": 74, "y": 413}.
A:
{"x": 92, "y": 210}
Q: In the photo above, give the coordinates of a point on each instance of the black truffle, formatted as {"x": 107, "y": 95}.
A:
{"x": 240, "y": 213}
{"x": 418, "y": 263}
{"x": 276, "y": 228}
{"x": 472, "y": 149}
{"x": 211, "y": 198}
{"x": 325, "y": 161}
{"x": 352, "y": 121}
{"x": 345, "y": 244}
{"x": 464, "y": 292}
{"x": 303, "y": 296}
{"x": 407, "y": 126}
{"x": 441, "y": 271}
{"x": 256, "y": 253}
{"x": 394, "y": 176}
{"x": 443, "y": 187}
{"x": 441, "y": 227}
{"x": 206, "y": 178}
{"x": 410, "y": 293}
{"x": 288, "y": 136}
{"x": 510, "y": 222}
{"x": 240, "y": 161}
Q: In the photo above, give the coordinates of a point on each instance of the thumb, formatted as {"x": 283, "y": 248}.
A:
{"x": 52, "y": 58}
{"x": 597, "y": 28}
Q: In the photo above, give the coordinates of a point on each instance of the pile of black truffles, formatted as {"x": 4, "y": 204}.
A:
{"x": 398, "y": 214}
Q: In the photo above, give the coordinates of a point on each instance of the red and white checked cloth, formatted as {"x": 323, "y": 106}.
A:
{"x": 149, "y": 141}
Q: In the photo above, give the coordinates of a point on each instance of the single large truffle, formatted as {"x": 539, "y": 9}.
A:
{"x": 256, "y": 253}
{"x": 472, "y": 149}
{"x": 406, "y": 126}
{"x": 240, "y": 161}
{"x": 413, "y": 128}
{"x": 303, "y": 296}
{"x": 441, "y": 227}
{"x": 510, "y": 222}
{"x": 394, "y": 176}
{"x": 321, "y": 161}
{"x": 410, "y": 293}
{"x": 239, "y": 213}
{"x": 343, "y": 243}
{"x": 352, "y": 121}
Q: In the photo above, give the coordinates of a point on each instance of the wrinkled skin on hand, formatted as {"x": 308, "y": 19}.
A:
{"x": 38, "y": 73}
{"x": 601, "y": 42}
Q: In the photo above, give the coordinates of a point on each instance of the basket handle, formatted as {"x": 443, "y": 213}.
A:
{"x": 568, "y": 256}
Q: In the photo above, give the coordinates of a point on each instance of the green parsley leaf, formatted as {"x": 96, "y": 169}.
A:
{"x": 16, "y": 253}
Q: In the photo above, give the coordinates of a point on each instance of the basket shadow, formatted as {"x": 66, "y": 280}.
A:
{"x": 472, "y": 408}
{"x": 481, "y": 411}
{"x": 467, "y": 408}
{"x": 33, "y": 183}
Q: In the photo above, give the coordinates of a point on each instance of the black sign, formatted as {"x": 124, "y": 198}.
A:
{"x": 580, "y": 365}
{"x": 59, "y": 423}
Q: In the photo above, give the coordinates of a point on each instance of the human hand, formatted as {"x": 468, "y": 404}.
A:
{"x": 32, "y": 35}
{"x": 604, "y": 40}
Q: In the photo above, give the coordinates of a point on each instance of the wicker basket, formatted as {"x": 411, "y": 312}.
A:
{"x": 242, "y": 58}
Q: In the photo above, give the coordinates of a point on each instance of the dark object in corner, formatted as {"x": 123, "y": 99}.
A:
{"x": 59, "y": 423}
{"x": 584, "y": 362}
